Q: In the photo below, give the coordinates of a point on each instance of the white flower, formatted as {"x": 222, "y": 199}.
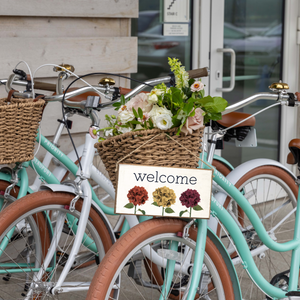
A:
{"x": 181, "y": 115}
{"x": 138, "y": 126}
{"x": 164, "y": 122}
{"x": 109, "y": 132}
{"x": 161, "y": 117}
{"x": 124, "y": 129}
{"x": 124, "y": 115}
{"x": 152, "y": 98}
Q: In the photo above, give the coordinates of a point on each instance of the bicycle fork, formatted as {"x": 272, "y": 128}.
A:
{"x": 81, "y": 180}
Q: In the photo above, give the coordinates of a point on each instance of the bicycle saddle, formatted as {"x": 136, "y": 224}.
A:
{"x": 239, "y": 131}
{"x": 294, "y": 155}
{"x": 235, "y": 117}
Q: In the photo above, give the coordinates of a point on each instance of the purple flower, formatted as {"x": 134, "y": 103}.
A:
{"x": 190, "y": 198}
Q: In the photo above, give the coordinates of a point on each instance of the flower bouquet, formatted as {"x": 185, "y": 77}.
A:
{"x": 135, "y": 136}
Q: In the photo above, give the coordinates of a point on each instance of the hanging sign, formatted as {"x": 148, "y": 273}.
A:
{"x": 162, "y": 191}
{"x": 176, "y": 29}
{"x": 176, "y": 10}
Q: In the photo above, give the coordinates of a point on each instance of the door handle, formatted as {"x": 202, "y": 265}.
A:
{"x": 232, "y": 69}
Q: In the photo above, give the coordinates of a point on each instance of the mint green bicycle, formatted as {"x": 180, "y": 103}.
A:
{"x": 177, "y": 259}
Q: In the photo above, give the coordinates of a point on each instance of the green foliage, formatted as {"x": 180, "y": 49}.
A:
{"x": 169, "y": 210}
{"x": 142, "y": 211}
{"x": 182, "y": 212}
{"x": 197, "y": 208}
{"x": 154, "y": 203}
{"x": 129, "y": 205}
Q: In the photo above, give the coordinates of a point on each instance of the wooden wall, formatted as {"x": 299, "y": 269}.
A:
{"x": 92, "y": 35}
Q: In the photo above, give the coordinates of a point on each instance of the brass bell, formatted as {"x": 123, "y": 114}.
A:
{"x": 65, "y": 66}
{"x": 279, "y": 86}
{"x": 106, "y": 80}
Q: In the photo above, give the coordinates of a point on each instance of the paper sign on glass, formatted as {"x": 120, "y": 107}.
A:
{"x": 163, "y": 191}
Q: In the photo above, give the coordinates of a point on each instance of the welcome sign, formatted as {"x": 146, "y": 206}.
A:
{"x": 163, "y": 191}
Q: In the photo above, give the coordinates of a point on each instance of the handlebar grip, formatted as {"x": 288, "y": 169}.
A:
{"x": 124, "y": 91}
{"x": 203, "y": 72}
{"x": 45, "y": 86}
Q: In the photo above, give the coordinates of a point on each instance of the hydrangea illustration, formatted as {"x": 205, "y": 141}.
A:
{"x": 190, "y": 199}
{"x": 138, "y": 195}
{"x": 164, "y": 197}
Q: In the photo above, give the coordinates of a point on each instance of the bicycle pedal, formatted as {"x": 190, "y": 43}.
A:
{"x": 67, "y": 230}
{"x": 62, "y": 258}
{"x": 26, "y": 287}
{"x": 117, "y": 234}
{"x": 6, "y": 277}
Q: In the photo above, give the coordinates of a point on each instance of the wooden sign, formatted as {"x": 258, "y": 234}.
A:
{"x": 162, "y": 191}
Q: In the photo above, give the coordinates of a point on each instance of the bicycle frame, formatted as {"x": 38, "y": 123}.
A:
{"x": 218, "y": 211}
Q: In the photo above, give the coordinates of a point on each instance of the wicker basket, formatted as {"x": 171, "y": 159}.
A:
{"x": 160, "y": 151}
{"x": 19, "y": 121}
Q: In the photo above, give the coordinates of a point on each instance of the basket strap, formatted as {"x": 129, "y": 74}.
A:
{"x": 10, "y": 93}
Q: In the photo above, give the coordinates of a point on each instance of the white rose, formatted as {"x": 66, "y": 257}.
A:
{"x": 124, "y": 115}
{"x": 164, "y": 122}
{"x": 161, "y": 117}
{"x": 152, "y": 98}
{"x": 109, "y": 132}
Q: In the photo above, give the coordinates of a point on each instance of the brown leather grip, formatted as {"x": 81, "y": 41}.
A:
{"x": 45, "y": 86}
{"x": 203, "y": 72}
{"x": 124, "y": 91}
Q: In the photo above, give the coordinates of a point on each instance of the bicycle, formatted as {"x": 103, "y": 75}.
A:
{"x": 60, "y": 197}
{"x": 161, "y": 262}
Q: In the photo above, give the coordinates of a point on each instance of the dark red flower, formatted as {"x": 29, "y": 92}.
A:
{"x": 137, "y": 195}
{"x": 190, "y": 198}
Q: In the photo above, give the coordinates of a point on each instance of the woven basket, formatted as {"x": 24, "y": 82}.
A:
{"x": 160, "y": 151}
{"x": 19, "y": 121}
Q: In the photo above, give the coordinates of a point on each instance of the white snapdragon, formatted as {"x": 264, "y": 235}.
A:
{"x": 152, "y": 97}
{"x": 161, "y": 117}
{"x": 109, "y": 132}
{"x": 124, "y": 115}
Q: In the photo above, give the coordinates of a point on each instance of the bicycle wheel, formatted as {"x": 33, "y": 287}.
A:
{"x": 96, "y": 242}
{"x": 272, "y": 192}
{"x": 138, "y": 276}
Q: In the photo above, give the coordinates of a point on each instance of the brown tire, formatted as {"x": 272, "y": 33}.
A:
{"x": 127, "y": 243}
{"x": 34, "y": 205}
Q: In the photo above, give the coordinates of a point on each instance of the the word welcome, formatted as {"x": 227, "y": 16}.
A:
{"x": 162, "y": 178}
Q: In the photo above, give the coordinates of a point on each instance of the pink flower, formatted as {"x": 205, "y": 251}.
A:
{"x": 140, "y": 100}
{"x": 193, "y": 123}
{"x": 146, "y": 117}
{"x": 197, "y": 86}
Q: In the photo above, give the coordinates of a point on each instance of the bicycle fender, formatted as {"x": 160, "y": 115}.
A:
{"x": 58, "y": 188}
{"x": 70, "y": 189}
{"x": 7, "y": 177}
{"x": 246, "y": 167}
{"x": 228, "y": 262}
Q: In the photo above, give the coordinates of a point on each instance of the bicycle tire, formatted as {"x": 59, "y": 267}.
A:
{"x": 133, "y": 240}
{"x": 256, "y": 184}
{"x": 35, "y": 205}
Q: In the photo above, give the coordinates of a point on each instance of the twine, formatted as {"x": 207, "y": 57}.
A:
{"x": 129, "y": 154}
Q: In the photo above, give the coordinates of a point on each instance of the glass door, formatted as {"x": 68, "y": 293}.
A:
{"x": 164, "y": 30}
{"x": 256, "y": 36}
